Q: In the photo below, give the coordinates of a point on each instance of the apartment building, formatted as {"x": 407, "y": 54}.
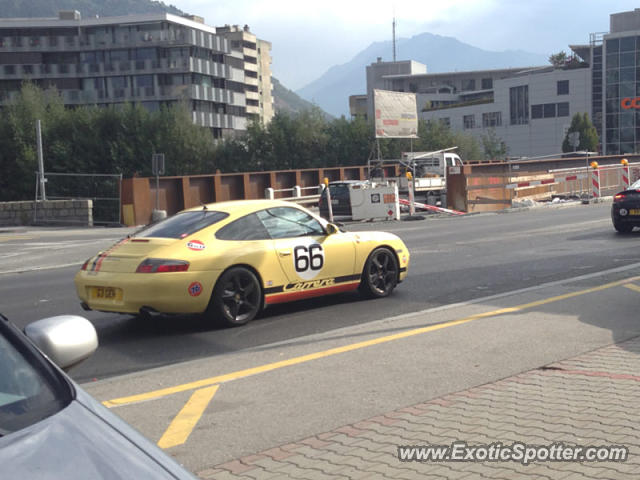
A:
{"x": 256, "y": 55}
{"x": 153, "y": 59}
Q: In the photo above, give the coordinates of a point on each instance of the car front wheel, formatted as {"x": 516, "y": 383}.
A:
{"x": 380, "y": 275}
{"x": 237, "y": 297}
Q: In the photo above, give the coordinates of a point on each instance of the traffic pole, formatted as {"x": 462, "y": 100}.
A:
{"x": 329, "y": 205}
{"x": 625, "y": 173}
{"x": 412, "y": 205}
{"x": 595, "y": 181}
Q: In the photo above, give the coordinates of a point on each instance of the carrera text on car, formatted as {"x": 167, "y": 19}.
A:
{"x": 231, "y": 259}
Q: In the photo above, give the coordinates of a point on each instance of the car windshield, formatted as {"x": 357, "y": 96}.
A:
{"x": 183, "y": 224}
{"x": 30, "y": 390}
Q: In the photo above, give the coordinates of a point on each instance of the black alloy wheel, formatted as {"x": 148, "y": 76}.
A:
{"x": 237, "y": 297}
{"x": 380, "y": 275}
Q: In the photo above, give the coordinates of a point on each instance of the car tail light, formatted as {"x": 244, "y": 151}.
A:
{"x": 619, "y": 197}
{"x": 159, "y": 265}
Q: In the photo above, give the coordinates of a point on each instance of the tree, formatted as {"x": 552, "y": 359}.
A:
{"x": 581, "y": 124}
{"x": 558, "y": 59}
{"x": 494, "y": 146}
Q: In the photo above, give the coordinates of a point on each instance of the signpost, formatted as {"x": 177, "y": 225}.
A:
{"x": 157, "y": 168}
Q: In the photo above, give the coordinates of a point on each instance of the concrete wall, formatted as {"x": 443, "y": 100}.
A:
{"x": 49, "y": 212}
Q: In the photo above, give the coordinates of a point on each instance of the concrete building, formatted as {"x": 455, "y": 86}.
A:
{"x": 530, "y": 109}
{"x": 256, "y": 56}
{"x": 615, "y": 63}
{"x": 153, "y": 59}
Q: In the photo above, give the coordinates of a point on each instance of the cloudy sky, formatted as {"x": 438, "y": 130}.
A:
{"x": 308, "y": 37}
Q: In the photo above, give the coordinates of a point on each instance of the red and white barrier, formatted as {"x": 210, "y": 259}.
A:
{"x": 625, "y": 177}
{"x": 595, "y": 183}
{"x": 431, "y": 208}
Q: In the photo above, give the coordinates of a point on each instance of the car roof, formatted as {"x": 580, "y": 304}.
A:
{"x": 235, "y": 207}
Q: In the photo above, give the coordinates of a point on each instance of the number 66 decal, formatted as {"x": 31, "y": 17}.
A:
{"x": 308, "y": 260}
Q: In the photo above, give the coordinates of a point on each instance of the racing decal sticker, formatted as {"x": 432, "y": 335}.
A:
{"x": 308, "y": 259}
{"x": 195, "y": 245}
{"x": 195, "y": 289}
{"x": 308, "y": 289}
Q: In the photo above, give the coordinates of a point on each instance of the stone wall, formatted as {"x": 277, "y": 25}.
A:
{"x": 49, "y": 212}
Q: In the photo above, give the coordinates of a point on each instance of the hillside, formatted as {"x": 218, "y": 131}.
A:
{"x": 88, "y": 8}
{"x": 441, "y": 54}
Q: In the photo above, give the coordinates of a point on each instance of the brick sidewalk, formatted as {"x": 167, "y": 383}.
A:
{"x": 593, "y": 399}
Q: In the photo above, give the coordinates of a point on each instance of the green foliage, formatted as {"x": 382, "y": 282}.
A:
{"x": 581, "y": 123}
{"x": 122, "y": 139}
{"x": 494, "y": 147}
{"x": 558, "y": 59}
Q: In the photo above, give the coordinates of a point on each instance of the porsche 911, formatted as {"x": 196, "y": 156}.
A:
{"x": 229, "y": 260}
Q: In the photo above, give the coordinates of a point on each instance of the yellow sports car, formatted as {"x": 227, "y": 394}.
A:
{"x": 231, "y": 259}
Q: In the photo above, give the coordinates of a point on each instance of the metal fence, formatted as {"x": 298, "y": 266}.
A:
{"x": 105, "y": 190}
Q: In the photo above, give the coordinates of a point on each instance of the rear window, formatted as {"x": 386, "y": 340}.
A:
{"x": 183, "y": 224}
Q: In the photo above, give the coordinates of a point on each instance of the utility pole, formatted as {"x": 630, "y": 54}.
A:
{"x": 41, "y": 178}
{"x": 393, "y": 28}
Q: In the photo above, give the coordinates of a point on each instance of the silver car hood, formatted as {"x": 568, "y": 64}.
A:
{"x": 84, "y": 441}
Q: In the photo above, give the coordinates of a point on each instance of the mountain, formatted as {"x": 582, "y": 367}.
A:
{"x": 287, "y": 101}
{"x": 440, "y": 54}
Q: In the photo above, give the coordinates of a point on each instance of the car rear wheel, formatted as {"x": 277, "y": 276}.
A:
{"x": 622, "y": 227}
{"x": 380, "y": 275}
{"x": 237, "y": 297}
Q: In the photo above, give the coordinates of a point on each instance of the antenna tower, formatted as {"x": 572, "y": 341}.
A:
{"x": 394, "y": 38}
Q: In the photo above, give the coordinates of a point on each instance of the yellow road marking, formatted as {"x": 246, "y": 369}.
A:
{"x": 184, "y": 423}
{"x": 631, "y": 286}
{"x": 7, "y": 238}
{"x": 347, "y": 348}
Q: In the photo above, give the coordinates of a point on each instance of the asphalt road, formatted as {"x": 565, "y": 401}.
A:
{"x": 453, "y": 260}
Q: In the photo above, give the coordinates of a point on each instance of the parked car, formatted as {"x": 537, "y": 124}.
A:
{"x": 49, "y": 427}
{"x": 625, "y": 210}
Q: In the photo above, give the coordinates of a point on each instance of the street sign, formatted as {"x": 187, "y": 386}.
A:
{"x": 157, "y": 164}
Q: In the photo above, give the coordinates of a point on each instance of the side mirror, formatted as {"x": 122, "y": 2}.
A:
{"x": 331, "y": 229}
{"x": 66, "y": 339}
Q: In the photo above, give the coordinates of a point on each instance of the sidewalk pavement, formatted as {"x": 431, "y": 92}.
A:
{"x": 589, "y": 400}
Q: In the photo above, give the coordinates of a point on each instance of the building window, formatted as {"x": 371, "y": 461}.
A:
{"x": 563, "y": 87}
{"x": 519, "y": 105}
{"x": 492, "y": 119}
{"x": 487, "y": 83}
{"x": 9, "y": 69}
{"x": 469, "y": 84}
{"x": 469, "y": 121}
{"x": 563, "y": 109}
{"x": 536, "y": 111}
{"x": 549, "y": 110}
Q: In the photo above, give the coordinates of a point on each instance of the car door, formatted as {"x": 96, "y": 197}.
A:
{"x": 309, "y": 257}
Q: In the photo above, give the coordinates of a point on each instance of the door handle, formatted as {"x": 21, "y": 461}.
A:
{"x": 284, "y": 253}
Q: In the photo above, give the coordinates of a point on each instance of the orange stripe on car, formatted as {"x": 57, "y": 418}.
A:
{"x": 302, "y": 294}
{"x": 105, "y": 254}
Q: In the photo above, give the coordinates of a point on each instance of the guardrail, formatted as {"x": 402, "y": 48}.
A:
{"x": 296, "y": 194}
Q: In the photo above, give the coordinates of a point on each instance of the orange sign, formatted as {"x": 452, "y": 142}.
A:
{"x": 629, "y": 103}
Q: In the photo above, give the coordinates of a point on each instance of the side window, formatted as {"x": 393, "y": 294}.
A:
{"x": 245, "y": 228}
{"x": 285, "y": 222}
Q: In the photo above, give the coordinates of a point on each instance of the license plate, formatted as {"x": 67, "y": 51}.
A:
{"x": 634, "y": 211}
{"x": 106, "y": 293}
